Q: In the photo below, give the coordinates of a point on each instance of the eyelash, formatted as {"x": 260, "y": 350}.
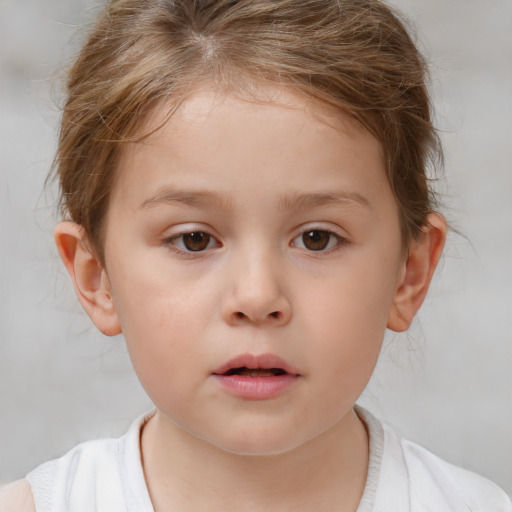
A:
{"x": 333, "y": 243}
{"x": 171, "y": 242}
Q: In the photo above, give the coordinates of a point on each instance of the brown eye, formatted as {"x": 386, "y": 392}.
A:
{"x": 316, "y": 240}
{"x": 196, "y": 241}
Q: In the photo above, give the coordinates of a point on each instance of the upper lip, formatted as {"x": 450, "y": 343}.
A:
{"x": 256, "y": 362}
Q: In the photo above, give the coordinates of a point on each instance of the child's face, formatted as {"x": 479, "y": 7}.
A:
{"x": 245, "y": 229}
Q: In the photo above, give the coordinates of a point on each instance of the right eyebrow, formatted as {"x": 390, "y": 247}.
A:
{"x": 193, "y": 198}
{"x": 341, "y": 198}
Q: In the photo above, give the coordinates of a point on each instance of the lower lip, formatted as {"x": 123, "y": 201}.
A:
{"x": 256, "y": 388}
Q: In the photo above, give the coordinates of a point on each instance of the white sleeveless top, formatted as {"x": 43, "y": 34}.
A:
{"x": 107, "y": 476}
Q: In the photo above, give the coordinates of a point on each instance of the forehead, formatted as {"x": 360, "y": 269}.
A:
{"x": 280, "y": 102}
{"x": 276, "y": 140}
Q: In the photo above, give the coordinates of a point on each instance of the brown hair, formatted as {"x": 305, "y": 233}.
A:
{"x": 353, "y": 55}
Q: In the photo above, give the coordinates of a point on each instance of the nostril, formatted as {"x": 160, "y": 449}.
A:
{"x": 274, "y": 315}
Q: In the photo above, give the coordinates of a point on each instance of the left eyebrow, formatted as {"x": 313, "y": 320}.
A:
{"x": 316, "y": 199}
{"x": 193, "y": 198}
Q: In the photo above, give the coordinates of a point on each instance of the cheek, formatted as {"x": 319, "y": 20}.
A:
{"x": 348, "y": 342}
{"x": 355, "y": 301}
{"x": 161, "y": 321}
{"x": 347, "y": 317}
{"x": 153, "y": 297}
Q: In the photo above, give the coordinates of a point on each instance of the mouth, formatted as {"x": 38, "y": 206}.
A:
{"x": 243, "y": 371}
{"x": 261, "y": 377}
{"x": 249, "y": 365}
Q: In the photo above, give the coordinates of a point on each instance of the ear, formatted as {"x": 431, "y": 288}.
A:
{"x": 417, "y": 272}
{"x": 89, "y": 278}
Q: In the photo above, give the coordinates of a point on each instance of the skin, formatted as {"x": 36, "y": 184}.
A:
{"x": 17, "y": 497}
{"x": 253, "y": 177}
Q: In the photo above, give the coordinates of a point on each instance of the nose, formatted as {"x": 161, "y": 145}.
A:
{"x": 256, "y": 295}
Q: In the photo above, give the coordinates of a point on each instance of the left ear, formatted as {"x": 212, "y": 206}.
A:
{"x": 89, "y": 277}
{"x": 417, "y": 272}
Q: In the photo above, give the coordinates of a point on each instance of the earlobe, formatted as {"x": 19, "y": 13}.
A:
{"x": 417, "y": 272}
{"x": 89, "y": 278}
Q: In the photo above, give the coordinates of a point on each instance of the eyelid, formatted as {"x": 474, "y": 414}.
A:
{"x": 342, "y": 239}
{"x": 185, "y": 229}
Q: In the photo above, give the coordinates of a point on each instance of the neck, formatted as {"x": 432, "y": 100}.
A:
{"x": 185, "y": 473}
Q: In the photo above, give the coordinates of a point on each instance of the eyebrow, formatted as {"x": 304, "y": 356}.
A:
{"x": 169, "y": 196}
{"x": 318, "y": 199}
{"x": 192, "y": 198}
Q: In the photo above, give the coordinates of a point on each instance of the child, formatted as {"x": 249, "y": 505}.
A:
{"x": 245, "y": 194}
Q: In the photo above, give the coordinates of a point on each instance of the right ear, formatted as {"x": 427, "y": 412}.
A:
{"x": 89, "y": 278}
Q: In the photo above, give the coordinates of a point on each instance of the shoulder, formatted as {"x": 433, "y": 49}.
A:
{"x": 17, "y": 497}
{"x": 403, "y": 476}
{"x": 430, "y": 476}
{"x": 78, "y": 478}
{"x": 95, "y": 476}
{"x": 434, "y": 484}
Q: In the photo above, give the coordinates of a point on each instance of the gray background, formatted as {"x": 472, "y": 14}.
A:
{"x": 447, "y": 384}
